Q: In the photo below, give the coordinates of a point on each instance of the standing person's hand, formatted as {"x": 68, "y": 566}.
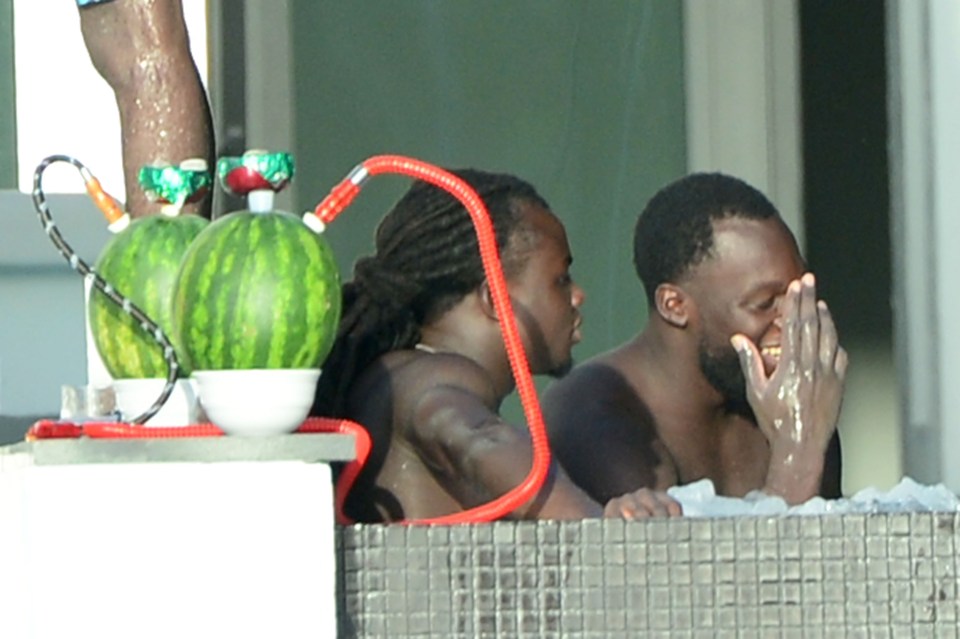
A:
{"x": 797, "y": 406}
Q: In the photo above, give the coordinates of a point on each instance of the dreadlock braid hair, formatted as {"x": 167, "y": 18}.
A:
{"x": 427, "y": 259}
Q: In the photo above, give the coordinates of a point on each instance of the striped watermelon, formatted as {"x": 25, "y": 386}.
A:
{"x": 141, "y": 263}
{"x": 256, "y": 290}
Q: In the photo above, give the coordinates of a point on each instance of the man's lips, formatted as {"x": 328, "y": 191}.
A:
{"x": 577, "y": 335}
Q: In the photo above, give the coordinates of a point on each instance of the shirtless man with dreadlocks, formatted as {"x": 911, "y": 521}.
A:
{"x": 420, "y": 361}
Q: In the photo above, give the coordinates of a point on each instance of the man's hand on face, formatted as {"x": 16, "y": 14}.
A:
{"x": 642, "y": 503}
{"x": 798, "y": 405}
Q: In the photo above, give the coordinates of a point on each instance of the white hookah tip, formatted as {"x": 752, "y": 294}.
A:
{"x": 194, "y": 164}
{"x": 120, "y": 224}
{"x": 260, "y": 200}
{"x": 171, "y": 210}
{"x": 314, "y": 223}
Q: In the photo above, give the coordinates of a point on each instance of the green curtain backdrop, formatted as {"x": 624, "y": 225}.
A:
{"x": 583, "y": 99}
{"x": 8, "y": 122}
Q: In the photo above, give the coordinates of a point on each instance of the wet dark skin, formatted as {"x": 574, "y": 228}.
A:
{"x": 439, "y": 444}
{"x": 142, "y": 49}
{"x": 645, "y": 414}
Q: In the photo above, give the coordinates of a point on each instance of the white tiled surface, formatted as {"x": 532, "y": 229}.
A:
{"x": 751, "y": 577}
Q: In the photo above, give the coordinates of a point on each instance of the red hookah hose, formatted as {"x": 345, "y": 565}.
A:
{"x": 340, "y": 198}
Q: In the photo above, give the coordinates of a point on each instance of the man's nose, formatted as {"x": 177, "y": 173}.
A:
{"x": 778, "y": 312}
{"x": 577, "y": 296}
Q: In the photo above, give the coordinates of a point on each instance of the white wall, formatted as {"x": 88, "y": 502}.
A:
{"x": 924, "y": 85}
{"x": 743, "y": 96}
{"x": 42, "y": 342}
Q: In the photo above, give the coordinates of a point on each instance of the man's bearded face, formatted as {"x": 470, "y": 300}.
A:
{"x": 721, "y": 367}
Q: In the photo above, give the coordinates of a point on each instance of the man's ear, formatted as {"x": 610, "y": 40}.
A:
{"x": 673, "y": 304}
{"x": 486, "y": 301}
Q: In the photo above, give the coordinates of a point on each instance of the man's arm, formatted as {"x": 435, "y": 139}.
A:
{"x": 479, "y": 457}
{"x": 141, "y": 49}
{"x": 602, "y": 434}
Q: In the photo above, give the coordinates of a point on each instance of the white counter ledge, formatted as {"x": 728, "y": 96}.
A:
{"x": 320, "y": 447}
{"x": 215, "y": 537}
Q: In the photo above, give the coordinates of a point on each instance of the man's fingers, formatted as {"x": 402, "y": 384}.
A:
{"x": 841, "y": 363}
{"x": 631, "y": 511}
{"x": 828, "y": 337}
{"x": 790, "y": 316}
{"x": 809, "y": 322}
{"x": 659, "y": 503}
{"x": 750, "y": 362}
{"x": 647, "y": 503}
{"x": 674, "y": 509}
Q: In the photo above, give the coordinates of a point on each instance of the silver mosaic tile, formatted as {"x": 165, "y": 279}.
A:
{"x": 888, "y": 575}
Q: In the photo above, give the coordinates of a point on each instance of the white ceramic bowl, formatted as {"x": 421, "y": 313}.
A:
{"x": 257, "y": 402}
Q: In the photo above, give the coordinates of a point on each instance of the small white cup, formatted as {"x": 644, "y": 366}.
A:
{"x": 87, "y": 403}
{"x": 134, "y": 396}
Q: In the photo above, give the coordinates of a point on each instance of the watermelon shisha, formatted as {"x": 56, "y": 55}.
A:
{"x": 141, "y": 261}
{"x": 257, "y": 289}
{"x": 191, "y": 181}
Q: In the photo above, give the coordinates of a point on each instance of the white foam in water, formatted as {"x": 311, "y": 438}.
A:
{"x": 700, "y": 499}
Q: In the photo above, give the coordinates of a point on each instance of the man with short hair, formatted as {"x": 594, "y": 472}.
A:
{"x": 737, "y": 376}
{"x": 420, "y": 362}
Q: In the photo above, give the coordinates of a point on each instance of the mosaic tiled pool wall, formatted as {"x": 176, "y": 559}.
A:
{"x": 883, "y": 575}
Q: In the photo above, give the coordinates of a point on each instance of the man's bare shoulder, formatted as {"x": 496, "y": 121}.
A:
{"x": 392, "y": 388}
{"x": 599, "y": 383}
{"x": 412, "y": 372}
{"x": 600, "y": 399}
{"x": 603, "y": 432}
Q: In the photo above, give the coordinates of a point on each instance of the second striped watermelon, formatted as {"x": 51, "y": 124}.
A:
{"x": 256, "y": 290}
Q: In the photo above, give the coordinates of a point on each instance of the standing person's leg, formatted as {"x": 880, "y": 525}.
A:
{"x": 141, "y": 48}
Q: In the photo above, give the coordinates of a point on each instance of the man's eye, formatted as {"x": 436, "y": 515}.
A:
{"x": 565, "y": 280}
{"x": 767, "y": 304}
